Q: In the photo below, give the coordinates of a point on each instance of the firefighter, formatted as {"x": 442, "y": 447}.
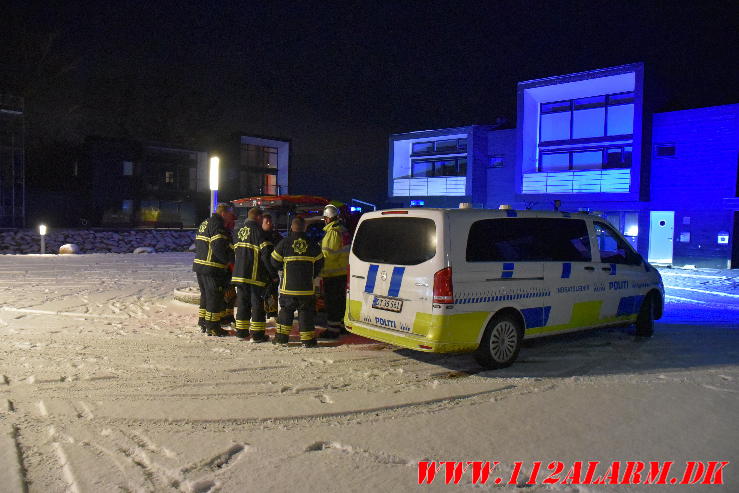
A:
{"x": 252, "y": 271}
{"x": 335, "y": 249}
{"x": 229, "y": 291}
{"x": 270, "y": 293}
{"x": 300, "y": 260}
{"x": 213, "y": 253}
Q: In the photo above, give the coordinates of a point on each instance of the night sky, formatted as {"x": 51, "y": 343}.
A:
{"x": 337, "y": 78}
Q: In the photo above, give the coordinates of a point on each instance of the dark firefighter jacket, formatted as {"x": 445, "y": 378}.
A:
{"x": 212, "y": 247}
{"x": 252, "y": 251}
{"x": 301, "y": 261}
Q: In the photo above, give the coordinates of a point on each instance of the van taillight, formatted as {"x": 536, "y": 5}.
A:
{"x": 443, "y": 289}
{"x": 348, "y": 277}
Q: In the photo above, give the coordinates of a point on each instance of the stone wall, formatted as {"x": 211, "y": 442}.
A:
{"x": 92, "y": 241}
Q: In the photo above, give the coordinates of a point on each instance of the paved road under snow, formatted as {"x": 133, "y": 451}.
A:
{"x": 106, "y": 385}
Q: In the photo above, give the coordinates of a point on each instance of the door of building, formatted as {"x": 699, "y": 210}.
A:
{"x": 661, "y": 232}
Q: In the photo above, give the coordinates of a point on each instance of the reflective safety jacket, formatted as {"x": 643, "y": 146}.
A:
{"x": 335, "y": 248}
{"x": 212, "y": 247}
{"x": 300, "y": 260}
{"x": 252, "y": 251}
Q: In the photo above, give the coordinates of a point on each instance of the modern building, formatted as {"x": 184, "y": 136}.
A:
{"x": 254, "y": 165}
{"x": 590, "y": 141}
{"x": 12, "y": 162}
{"x": 134, "y": 183}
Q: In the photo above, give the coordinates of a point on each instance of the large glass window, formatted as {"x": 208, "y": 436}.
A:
{"x": 421, "y": 169}
{"x": 621, "y": 119}
{"x": 422, "y": 147}
{"x": 555, "y": 126}
{"x": 587, "y": 160}
{"x": 587, "y": 118}
{"x": 396, "y": 240}
{"x": 444, "y": 146}
{"x": 254, "y": 156}
{"x": 528, "y": 239}
{"x": 559, "y": 161}
{"x": 452, "y": 166}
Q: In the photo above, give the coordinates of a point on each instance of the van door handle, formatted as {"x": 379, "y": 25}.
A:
{"x": 605, "y": 269}
{"x": 589, "y": 267}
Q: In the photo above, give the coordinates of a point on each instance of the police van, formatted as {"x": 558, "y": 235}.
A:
{"x": 462, "y": 280}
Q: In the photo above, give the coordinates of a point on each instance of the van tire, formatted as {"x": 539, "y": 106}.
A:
{"x": 645, "y": 319}
{"x": 500, "y": 343}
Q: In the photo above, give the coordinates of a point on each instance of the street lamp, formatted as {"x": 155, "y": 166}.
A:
{"x": 214, "y": 163}
{"x": 42, "y": 233}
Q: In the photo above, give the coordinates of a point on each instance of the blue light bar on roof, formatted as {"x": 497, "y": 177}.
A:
{"x": 417, "y": 203}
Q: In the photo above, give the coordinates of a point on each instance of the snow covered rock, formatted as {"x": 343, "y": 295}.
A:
{"x": 69, "y": 249}
{"x": 144, "y": 250}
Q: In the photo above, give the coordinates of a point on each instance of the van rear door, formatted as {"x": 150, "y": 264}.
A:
{"x": 394, "y": 257}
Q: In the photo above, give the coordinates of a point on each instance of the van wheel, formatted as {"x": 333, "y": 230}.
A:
{"x": 645, "y": 319}
{"x": 500, "y": 342}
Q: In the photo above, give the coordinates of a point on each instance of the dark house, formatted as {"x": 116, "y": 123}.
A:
{"x": 142, "y": 184}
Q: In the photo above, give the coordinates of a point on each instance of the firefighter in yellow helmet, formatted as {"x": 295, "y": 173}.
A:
{"x": 335, "y": 248}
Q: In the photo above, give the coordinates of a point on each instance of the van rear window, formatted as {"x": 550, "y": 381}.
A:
{"x": 396, "y": 240}
{"x": 534, "y": 239}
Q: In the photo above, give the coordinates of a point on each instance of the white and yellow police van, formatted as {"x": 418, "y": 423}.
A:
{"x": 456, "y": 280}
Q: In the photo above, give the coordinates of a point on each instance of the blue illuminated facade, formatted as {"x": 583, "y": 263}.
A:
{"x": 668, "y": 181}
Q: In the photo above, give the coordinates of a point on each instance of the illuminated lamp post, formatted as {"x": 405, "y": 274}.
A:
{"x": 42, "y": 233}
{"x": 214, "y": 163}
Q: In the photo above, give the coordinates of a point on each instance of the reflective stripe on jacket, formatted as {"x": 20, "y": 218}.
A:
{"x": 252, "y": 250}
{"x": 212, "y": 247}
{"x": 300, "y": 260}
{"x": 335, "y": 248}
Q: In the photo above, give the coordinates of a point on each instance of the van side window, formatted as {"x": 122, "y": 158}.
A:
{"x": 613, "y": 248}
{"x": 528, "y": 239}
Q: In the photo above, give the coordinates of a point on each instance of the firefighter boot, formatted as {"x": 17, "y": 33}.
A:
{"x": 310, "y": 343}
{"x": 281, "y": 339}
{"x": 214, "y": 329}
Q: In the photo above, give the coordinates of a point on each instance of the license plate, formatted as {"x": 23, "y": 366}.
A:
{"x": 389, "y": 304}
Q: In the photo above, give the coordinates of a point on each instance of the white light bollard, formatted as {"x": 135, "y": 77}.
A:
{"x": 214, "y": 164}
{"x": 42, "y": 234}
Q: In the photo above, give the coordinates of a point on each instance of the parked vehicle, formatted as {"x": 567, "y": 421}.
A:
{"x": 455, "y": 280}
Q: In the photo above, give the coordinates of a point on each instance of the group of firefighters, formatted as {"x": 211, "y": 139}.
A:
{"x": 249, "y": 255}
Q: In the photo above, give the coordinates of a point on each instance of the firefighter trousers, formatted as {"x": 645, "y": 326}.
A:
{"x": 335, "y": 290}
{"x": 212, "y": 303}
{"x": 250, "y": 313}
{"x": 306, "y": 307}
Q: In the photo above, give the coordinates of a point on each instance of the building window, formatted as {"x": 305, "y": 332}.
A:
{"x": 664, "y": 150}
{"x": 581, "y": 159}
{"x": 127, "y": 168}
{"x": 425, "y": 168}
{"x": 254, "y": 156}
{"x": 557, "y": 161}
{"x": 270, "y": 184}
{"x": 587, "y": 118}
{"x": 445, "y": 146}
{"x": 497, "y": 161}
{"x": 169, "y": 177}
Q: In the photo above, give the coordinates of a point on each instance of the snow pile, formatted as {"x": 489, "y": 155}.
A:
{"x": 28, "y": 241}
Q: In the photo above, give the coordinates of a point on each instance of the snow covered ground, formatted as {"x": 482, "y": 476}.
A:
{"x": 106, "y": 384}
